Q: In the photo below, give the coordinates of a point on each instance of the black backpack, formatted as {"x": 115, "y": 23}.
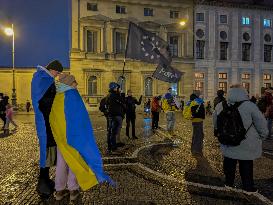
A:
{"x": 230, "y": 128}
{"x": 104, "y": 106}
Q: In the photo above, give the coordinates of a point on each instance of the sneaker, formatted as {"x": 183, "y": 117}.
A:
{"x": 74, "y": 194}
{"x": 59, "y": 195}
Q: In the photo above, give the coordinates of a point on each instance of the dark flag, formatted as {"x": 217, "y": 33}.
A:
{"x": 146, "y": 46}
{"x": 167, "y": 74}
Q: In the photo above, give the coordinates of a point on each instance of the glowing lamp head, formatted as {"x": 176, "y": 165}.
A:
{"x": 182, "y": 23}
{"x": 9, "y": 31}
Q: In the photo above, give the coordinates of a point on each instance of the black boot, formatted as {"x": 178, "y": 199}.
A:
{"x": 45, "y": 186}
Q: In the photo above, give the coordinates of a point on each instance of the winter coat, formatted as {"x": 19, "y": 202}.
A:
{"x": 155, "y": 105}
{"x": 116, "y": 105}
{"x": 131, "y": 103}
{"x": 251, "y": 147}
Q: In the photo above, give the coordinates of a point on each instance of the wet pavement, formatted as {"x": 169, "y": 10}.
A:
{"x": 145, "y": 170}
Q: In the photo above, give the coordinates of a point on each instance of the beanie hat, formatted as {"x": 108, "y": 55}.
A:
{"x": 55, "y": 65}
{"x": 67, "y": 79}
{"x": 113, "y": 85}
{"x": 168, "y": 96}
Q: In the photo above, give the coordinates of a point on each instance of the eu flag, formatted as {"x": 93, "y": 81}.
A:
{"x": 146, "y": 46}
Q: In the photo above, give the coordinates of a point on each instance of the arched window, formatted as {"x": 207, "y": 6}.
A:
{"x": 92, "y": 85}
{"x": 122, "y": 83}
{"x": 148, "y": 86}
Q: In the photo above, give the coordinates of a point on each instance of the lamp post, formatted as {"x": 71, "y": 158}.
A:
{"x": 10, "y": 32}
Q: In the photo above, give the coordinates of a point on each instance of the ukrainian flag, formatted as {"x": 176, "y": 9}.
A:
{"x": 73, "y": 133}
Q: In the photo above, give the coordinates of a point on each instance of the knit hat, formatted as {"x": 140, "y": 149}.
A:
{"x": 113, "y": 85}
{"x": 55, "y": 65}
{"x": 67, "y": 79}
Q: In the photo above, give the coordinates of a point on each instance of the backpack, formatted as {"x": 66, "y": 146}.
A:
{"x": 262, "y": 104}
{"x": 104, "y": 106}
{"x": 230, "y": 128}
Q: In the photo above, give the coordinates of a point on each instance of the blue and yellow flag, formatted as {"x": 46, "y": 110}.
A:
{"x": 73, "y": 133}
{"x": 41, "y": 81}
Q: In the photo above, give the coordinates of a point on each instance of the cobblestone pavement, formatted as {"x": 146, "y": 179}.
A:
{"x": 135, "y": 185}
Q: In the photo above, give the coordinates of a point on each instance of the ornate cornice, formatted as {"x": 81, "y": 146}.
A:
{"x": 236, "y": 4}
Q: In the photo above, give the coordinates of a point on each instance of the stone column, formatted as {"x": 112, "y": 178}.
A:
{"x": 75, "y": 25}
{"x": 109, "y": 38}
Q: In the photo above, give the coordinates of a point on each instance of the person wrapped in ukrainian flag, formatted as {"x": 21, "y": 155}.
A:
{"x": 79, "y": 163}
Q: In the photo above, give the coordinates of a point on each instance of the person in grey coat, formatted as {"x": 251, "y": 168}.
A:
{"x": 251, "y": 147}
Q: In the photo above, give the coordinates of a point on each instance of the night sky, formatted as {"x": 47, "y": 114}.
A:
{"x": 42, "y": 32}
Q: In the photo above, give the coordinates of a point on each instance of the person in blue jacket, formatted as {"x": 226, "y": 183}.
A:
{"x": 43, "y": 91}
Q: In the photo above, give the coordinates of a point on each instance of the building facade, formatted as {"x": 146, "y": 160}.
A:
{"x": 233, "y": 44}
{"x": 99, "y": 34}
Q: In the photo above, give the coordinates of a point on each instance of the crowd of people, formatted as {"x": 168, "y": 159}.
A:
{"x": 240, "y": 124}
{"x": 62, "y": 123}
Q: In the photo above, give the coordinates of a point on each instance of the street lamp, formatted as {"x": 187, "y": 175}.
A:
{"x": 10, "y": 32}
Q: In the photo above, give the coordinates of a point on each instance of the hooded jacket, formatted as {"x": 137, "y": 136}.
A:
{"x": 251, "y": 147}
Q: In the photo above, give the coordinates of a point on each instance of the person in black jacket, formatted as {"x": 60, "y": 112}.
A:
{"x": 116, "y": 111}
{"x": 2, "y": 109}
{"x": 220, "y": 98}
{"x": 131, "y": 103}
{"x": 42, "y": 100}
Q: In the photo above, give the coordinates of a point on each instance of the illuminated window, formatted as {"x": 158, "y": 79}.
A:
{"x": 267, "y": 85}
{"x": 267, "y": 77}
{"x": 267, "y": 23}
{"x": 122, "y": 83}
{"x": 199, "y": 86}
{"x": 199, "y": 75}
{"x": 173, "y": 45}
{"x": 246, "y": 85}
{"x": 174, "y": 87}
{"x": 245, "y": 76}
{"x": 223, "y": 86}
{"x": 222, "y": 75}
{"x": 245, "y": 20}
{"x": 148, "y": 86}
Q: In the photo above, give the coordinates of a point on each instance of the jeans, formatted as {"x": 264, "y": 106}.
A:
{"x": 246, "y": 172}
{"x": 155, "y": 119}
{"x": 130, "y": 118}
{"x": 197, "y": 137}
{"x": 170, "y": 120}
{"x": 114, "y": 126}
{"x": 64, "y": 175}
{"x": 8, "y": 121}
{"x": 269, "y": 126}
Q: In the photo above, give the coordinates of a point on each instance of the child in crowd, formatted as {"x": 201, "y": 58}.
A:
{"x": 9, "y": 118}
